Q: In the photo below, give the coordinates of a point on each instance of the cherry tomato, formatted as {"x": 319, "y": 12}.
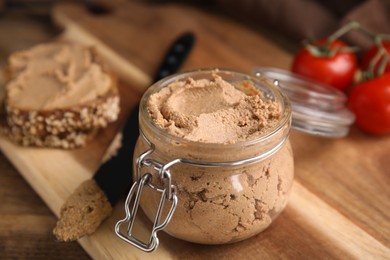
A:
{"x": 370, "y": 101}
{"x": 370, "y": 54}
{"x": 337, "y": 70}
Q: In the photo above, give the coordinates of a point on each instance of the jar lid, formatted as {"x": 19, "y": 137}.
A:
{"x": 317, "y": 108}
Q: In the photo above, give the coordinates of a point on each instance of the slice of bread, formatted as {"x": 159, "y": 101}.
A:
{"x": 58, "y": 94}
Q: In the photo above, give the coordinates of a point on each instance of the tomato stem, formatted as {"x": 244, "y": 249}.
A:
{"x": 351, "y": 25}
{"x": 383, "y": 63}
{"x": 371, "y": 66}
{"x": 367, "y": 33}
{"x": 382, "y": 56}
{"x": 323, "y": 49}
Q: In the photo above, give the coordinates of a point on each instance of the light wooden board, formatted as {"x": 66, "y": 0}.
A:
{"x": 339, "y": 206}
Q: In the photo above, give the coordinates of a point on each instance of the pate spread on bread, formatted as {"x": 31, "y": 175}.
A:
{"x": 58, "y": 94}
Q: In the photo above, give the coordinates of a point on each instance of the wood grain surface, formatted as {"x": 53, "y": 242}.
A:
{"x": 339, "y": 207}
{"x": 25, "y": 221}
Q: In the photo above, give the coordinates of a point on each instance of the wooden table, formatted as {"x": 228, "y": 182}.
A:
{"x": 25, "y": 221}
{"x": 340, "y": 204}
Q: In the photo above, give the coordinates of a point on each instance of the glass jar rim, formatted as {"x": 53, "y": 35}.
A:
{"x": 279, "y": 95}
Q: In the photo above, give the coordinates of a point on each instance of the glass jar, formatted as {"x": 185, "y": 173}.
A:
{"x": 220, "y": 193}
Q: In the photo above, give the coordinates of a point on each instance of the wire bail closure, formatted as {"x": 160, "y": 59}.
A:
{"x": 168, "y": 192}
{"x": 136, "y": 190}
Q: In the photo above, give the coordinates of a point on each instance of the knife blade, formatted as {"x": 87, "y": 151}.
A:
{"x": 114, "y": 177}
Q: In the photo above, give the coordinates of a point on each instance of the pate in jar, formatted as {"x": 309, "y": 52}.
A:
{"x": 213, "y": 163}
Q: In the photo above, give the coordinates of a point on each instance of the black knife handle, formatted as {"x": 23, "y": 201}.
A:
{"x": 175, "y": 56}
{"x": 116, "y": 175}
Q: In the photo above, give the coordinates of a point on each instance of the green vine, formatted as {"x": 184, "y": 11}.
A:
{"x": 382, "y": 56}
{"x": 323, "y": 50}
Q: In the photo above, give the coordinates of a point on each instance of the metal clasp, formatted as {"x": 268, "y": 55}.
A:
{"x": 136, "y": 190}
{"x": 168, "y": 192}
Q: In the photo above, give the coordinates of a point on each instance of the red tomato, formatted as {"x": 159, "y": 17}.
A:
{"x": 337, "y": 70}
{"x": 370, "y": 54}
{"x": 370, "y": 101}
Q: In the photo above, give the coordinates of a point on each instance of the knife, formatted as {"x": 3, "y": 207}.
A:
{"x": 114, "y": 177}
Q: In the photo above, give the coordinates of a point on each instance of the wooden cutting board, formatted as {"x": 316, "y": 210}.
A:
{"x": 339, "y": 207}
